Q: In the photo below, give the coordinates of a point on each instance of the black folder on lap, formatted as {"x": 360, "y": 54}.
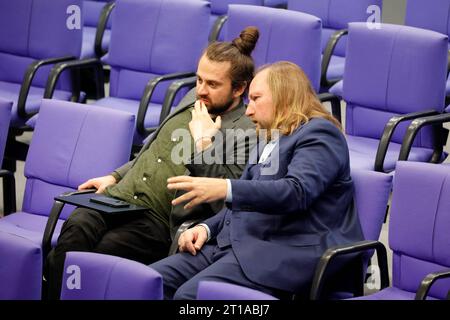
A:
{"x": 84, "y": 200}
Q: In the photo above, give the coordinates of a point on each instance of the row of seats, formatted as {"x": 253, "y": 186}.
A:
{"x": 420, "y": 250}
{"x": 143, "y": 66}
{"x": 384, "y": 83}
{"x": 57, "y": 163}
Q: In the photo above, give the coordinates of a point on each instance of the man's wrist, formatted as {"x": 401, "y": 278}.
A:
{"x": 208, "y": 232}
{"x": 203, "y": 142}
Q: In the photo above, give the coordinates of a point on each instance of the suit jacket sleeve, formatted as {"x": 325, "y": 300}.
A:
{"x": 215, "y": 223}
{"x": 319, "y": 155}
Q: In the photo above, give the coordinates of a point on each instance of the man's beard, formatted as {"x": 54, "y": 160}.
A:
{"x": 218, "y": 109}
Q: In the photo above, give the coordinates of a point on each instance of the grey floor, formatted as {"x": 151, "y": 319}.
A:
{"x": 20, "y": 186}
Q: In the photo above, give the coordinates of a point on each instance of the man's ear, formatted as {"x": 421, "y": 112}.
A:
{"x": 239, "y": 91}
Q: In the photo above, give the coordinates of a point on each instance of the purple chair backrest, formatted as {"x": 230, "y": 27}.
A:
{"x": 389, "y": 71}
{"x": 335, "y": 15}
{"x": 419, "y": 225}
{"x": 154, "y": 37}
{"x": 430, "y": 14}
{"x": 105, "y": 277}
{"x": 5, "y": 118}
{"x": 372, "y": 191}
{"x": 71, "y": 144}
{"x": 284, "y": 35}
{"x": 220, "y": 8}
{"x": 32, "y": 30}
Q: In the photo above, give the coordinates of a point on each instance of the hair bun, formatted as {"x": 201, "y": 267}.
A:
{"x": 247, "y": 40}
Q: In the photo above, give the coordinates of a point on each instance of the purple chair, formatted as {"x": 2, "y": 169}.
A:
{"x": 432, "y": 15}
{"x": 153, "y": 42}
{"x": 284, "y": 35}
{"x": 335, "y": 16}
{"x": 213, "y": 290}
{"x": 393, "y": 75}
{"x": 96, "y": 28}
{"x": 72, "y": 143}
{"x": 91, "y": 276}
{"x": 219, "y": 10}
{"x": 9, "y": 192}
{"x": 34, "y": 35}
{"x": 418, "y": 234}
{"x": 371, "y": 196}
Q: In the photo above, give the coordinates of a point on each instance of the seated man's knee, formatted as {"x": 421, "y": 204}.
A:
{"x": 82, "y": 216}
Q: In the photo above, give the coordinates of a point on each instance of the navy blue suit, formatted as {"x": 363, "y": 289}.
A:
{"x": 280, "y": 221}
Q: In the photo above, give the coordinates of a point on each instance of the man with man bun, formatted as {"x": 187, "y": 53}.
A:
{"x": 224, "y": 72}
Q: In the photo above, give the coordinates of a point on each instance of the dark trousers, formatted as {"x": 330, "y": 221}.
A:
{"x": 182, "y": 272}
{"x": 138, "y": 237}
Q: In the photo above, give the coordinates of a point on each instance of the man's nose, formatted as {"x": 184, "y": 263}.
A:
{"x": 201, "y": 89}
{"x": 250, "y": 110}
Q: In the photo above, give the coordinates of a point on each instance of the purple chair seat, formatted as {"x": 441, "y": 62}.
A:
{"x": 363, "y": 151}
{"x": 390, "y": 293}
{"x": 10, "y": 91}
{"x": 29, "y": 226}
{"x": 212, "y": 290}
{"x": 104, "y": 277}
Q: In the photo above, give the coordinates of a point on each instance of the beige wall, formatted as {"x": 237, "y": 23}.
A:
{"x": 394, "y": 11}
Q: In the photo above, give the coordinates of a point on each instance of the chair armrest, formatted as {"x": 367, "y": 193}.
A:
{"x": 53, "y": 217}
{"x": 101, "y": 27}
{"x": 28, "y": 79}
{"x": 216, "y": 28}
{"x": 9, "y": 191}
{"x": 148, "y": 92}
{"x": 329, "y": 49}
{"x": 414, "y": 128}
{"x": 170, "y": 96}
{"x": 389, "y": 131}
{"x": 335, "y": 104}
{"x": 331, "y": 253}
{"x": 428, "y": 282}
{"x": 50, "y": 228}
{"x": 56, "y": 71}
{"x": 182, "y": 228}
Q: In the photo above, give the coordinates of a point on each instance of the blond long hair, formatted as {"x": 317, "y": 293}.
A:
{"x": 294, "y": 99}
